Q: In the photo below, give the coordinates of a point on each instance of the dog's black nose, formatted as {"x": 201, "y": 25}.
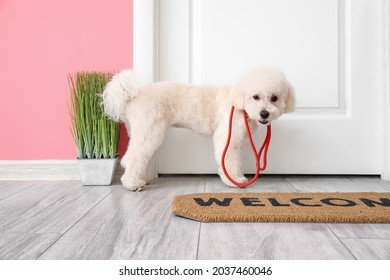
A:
{"x": 264, "y": 114}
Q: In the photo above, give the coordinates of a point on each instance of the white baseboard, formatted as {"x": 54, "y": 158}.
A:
{"x": 43, "y": 170}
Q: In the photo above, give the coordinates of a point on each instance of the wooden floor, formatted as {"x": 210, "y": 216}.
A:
{"x": 64, "y": 220}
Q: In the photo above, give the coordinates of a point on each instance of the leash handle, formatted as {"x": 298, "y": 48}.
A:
{"x": 257, "y": 155}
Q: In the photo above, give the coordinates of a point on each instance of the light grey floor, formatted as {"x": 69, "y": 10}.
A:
{"x": 64, "y": 220}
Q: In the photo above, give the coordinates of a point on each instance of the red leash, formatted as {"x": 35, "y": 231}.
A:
{"x": 257, "y": 155}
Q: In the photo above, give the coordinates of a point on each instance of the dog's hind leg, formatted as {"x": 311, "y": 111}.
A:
{"x": 143, "y": 143}
{"x": 125, "y": 156}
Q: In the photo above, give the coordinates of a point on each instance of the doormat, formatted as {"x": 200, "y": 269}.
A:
{"x": 358, "y": 207}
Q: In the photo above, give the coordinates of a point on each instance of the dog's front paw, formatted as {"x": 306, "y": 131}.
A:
{"x": 133, "y": 184}
{"x": 241, "y": 180}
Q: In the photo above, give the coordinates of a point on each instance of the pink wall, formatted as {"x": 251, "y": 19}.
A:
{"x": 41, "y": 42}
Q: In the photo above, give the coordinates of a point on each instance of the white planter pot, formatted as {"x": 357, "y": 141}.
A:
{"x": 98, "y": 172}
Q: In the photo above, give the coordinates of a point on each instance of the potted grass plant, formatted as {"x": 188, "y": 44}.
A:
{"x": 95, "y": 136}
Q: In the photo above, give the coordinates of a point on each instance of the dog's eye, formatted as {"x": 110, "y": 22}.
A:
{"x": 256, "y": 97}
{"x": 274, "y": 98}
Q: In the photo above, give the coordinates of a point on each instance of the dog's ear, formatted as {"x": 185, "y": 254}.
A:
{"x": 290, "y": 102}
{"x": 236, "y": 96}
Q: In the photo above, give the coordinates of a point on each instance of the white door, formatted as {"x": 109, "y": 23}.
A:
{"x": 333, "y": 52}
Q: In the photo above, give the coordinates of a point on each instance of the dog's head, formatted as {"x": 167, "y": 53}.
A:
{"x": 265, "y": 95}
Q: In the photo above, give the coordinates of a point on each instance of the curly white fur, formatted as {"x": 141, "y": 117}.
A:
{"x": 150, "y": 109}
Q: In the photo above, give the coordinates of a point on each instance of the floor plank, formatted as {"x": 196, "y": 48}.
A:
{"x": 48, "y": 207}
{"x": 361, "y": 230}
{"x": 369, "y": 183}
{"x": 369, "y": 249}
{"x": 264, "y": 183}
{"x": 25, "y": 246}
{"x": 134, "y": 225}
{"x": 269, "y": 241}
{"x": 336, "y": 184}
{"x": 8, "y": 188}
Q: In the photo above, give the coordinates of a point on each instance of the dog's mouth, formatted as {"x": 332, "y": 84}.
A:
{"x": 263, "y": 121}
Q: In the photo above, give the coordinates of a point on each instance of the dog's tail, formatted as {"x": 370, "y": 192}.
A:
{"x": 122, "y": 87}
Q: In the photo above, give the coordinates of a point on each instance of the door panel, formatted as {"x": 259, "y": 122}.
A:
{"x": 291, "y": 35}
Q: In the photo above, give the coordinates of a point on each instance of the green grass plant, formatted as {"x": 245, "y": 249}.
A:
{"x": 94, "y": 134}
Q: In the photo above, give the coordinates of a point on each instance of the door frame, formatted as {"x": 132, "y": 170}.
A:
{"x": 386, "y": 98}
{"x": 145, "y": 62}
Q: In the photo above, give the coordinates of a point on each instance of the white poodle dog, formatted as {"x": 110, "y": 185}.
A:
{"x": 149, "y": 110}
